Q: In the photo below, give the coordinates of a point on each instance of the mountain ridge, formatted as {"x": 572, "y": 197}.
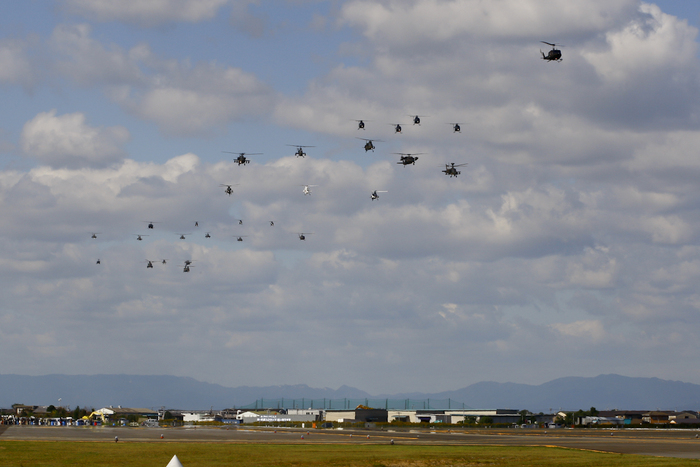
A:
{"x": 182, "y": 392}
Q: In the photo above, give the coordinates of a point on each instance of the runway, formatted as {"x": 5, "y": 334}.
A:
{"x": 666, "y": 443}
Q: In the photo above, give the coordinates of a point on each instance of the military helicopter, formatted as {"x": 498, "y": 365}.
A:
{"x": 375, "y": 195}
{"x": 455, "y": 127}
{"x": 228, "y": 190}
{"x": 369, "y": 145}
{"x": 307, "y": 189}
{"x": 98, "y": 261}
{"x": 207, "y": 235}
{"x": 138, "y": 236}
{"x": 407, "y": 158}
{"x": 241, "y": 159}
{"x": 150, "y": 264}
{"x": 94, "y": 234}
{"x": 272, "y": 223}
{"x": 416, "y": 118}
{"x": 451, "y": 170}
{"x": 239, "y": 238}
{"x": 302, "y": 235}
{"x": 397, "y": 127}
{"x": 188, "y": 265}
{"x": 361, "y": 124}
{"x": 182, "y": 236}
{"x": 150, "y": 224}
{"x": 240, "y": 221}
{"x": 300, "y": 149}
{"x": 196, "y": 224}
{"x": 553, "y": 55}
{"x": 164, "y": 261}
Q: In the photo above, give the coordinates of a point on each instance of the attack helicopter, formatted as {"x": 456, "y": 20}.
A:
{"x": 242, "y": 159}
{"x": 369, "y": 145}
{"x": 302, "y": 235}
{"x": 300, "y": 149}
{"x": 416, "y": 118}
{"x": 554, "y": 55}
{"x": 228, "y": 190}
{"x": 138, "y": 236}
{"x": 307, "y": 189}
{"x": 451, "y": 170}
{"x": 375, "y": 194}
{"x": 407, "y": 158}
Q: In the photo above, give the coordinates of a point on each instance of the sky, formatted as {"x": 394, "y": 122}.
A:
{"x": 569, "y": 245}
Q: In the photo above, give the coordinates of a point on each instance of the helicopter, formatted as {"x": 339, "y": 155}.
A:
{"x": 451, "y": 170}
{"x": 207, "y": 235}
{"x": 553, "y": 55}
{"x": 182, "y": 236}
{"x": 240, "y": 221}
{"x": 272, "y": 223}
{"x": 150, "y": 224}
{"x": 98, "y": 261}
{"x": 361, "y": 124}
{"x": 369, "y": 145}
{"x": 300, "y": 149}
{"x": 188, "y": 265}
{"x": 228, "y": 190}
{"x": 240, "y": 238}
{"x": 302, "y": 235}
{"x": 138, "y": 236}
{"x": 94, "y": 234}
{"x": 241, "y": 159}
{"x": 164, "y": 261}
{"x": 455, "y": 127}
{"x": 375, "y": 195}
{"x": 397, "y": 127}
{"x": 407, "y": 158}
{"x": 307, "y": 189}
{"x": 416, "y": 118}
{"x": 150, "y": 264}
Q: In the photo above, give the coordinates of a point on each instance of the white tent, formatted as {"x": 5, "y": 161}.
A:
{"x": 174, "y": 462}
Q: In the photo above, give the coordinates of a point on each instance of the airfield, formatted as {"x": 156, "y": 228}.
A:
{"x": 663, "y": 443}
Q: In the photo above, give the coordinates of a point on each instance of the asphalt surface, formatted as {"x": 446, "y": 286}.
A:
{"x": 665, "y": 443}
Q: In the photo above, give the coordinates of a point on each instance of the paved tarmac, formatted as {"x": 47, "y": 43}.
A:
{"x": 665, "y": 443}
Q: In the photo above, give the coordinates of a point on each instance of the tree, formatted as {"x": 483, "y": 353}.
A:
{"x": 485, "y": 421}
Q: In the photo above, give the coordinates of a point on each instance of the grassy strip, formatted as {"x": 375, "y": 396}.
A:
{"x": 71, "y": 453}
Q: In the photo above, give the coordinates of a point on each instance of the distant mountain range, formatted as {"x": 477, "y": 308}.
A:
{"x": 571, "y": 393}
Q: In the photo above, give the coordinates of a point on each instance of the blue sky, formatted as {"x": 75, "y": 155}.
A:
{"x": 568, "y": 246}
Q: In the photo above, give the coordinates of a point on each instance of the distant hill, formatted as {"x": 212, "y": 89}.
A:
{"x": 571, "y": 393}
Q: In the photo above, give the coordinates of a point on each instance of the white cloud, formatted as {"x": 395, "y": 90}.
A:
{"x": 15, "y": 64}
{"x": 147, "y": 12}
{"x": 67, "y": 140}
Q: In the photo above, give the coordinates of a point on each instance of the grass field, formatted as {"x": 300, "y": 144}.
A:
{"x": 71, "y": 453}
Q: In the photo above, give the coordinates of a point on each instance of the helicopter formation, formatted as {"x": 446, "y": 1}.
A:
{"x": 405, "y": 159}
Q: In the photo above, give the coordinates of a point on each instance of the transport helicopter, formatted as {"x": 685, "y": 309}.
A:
{"x": 207, "y": 235}
{"x": 369, "y": 145}
{"x": 188, "y": 265}
{"x": 239, "y": 238}
{"x": 451, "y": 170}
{"x": 554, "y": 55}
{"x": 164, "y": 261}
{"x": 98, "y": 261}
{"x": 228, "y": 190}
{"x": 139, "y": 236}
{"x": 361, "y": 124}
{"x": 94, "y": 234}
{"x": 150, "y": 224}
{"x": 272, "y": 223}
{"x": 182, "y": 236}
{"x": 455, "y": 127}
{"x": 302, "y": 235}
{"x": 242, "y": 159}
{"x": 407, "y": 158}
{"x": 150, "y": 264}
{"x": 375, "y": 194}
{"x": 307, "y": 189}
{"x": 196, "y": 224}
{"x": 300, "y": 149}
